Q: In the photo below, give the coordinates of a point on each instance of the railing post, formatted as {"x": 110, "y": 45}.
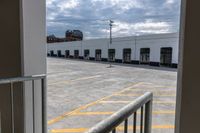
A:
{"x": 44, "y": 104}
{"x": 148, "y": 117}
{"x": 0, "y": 122}
{"x": 12, "y": 107}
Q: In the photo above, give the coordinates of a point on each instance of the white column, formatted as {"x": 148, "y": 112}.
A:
{"x": 33, "y": 57}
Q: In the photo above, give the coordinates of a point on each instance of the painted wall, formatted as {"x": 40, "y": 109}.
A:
{"x": 135, "y": 43}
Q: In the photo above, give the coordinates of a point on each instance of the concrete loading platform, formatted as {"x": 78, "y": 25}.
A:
{"x": 81, "y": 94}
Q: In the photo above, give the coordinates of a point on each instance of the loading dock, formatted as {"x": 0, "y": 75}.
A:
{"x": 144, "y": 55}
{"x": 98, "y": 54}
{"x": 86, "y": 54}
{"x": 76, "y": 54}
{"x": 67, "y": 54}
{"x": 51, "y": 53}
{"x": 111, "y": 54}
{"x": 59, "y": 54}
{"x": 127, "y": 55}
{"x": 150, "y": 53}
{"x": 166, "y": 56}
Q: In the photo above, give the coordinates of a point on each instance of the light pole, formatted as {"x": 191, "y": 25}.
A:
{"x": 110, "y": 24}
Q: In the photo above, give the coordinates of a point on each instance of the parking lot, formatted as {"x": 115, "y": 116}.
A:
{"x": 83, "y": 93}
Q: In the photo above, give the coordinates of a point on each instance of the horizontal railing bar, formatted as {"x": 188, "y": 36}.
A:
{"x": 117, "y": 118}
{"x": 21, "y": 79}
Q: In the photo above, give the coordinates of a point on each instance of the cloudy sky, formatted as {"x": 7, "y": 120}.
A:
{"x": 131, "y": 17}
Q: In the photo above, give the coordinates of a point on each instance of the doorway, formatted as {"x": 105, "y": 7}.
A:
{"x": 127, "y": 55}
{"x": 66, "y": 53}
{"x": 59, "y": 54}
{"x": 166, "y": 56}
{"x": 86, "y": 54}
{"x": 111, "y": 55}
{"x": 52, "y": 53}
{"x": 76, "y": 54}
{"x": 98, "y": 55}
{"x": 144, "y": 55}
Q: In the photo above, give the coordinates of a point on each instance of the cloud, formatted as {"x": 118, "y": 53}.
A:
{"x": 170, "y": 1}
{"x": 68, "y": 4}
{"x": 119, "y": 4}
{"x": 132, "y": 17}
{"x": 147, "y": 27}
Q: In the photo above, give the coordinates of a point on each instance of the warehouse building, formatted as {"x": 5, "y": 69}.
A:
{"x": 154, "y": 50}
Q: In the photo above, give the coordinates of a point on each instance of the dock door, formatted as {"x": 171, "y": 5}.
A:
{"x": 111, "y": 54}
{"x": 98, "y": 55}
{"x": 52, "y": 53}
{"x": 87, "y": 54}
{"x": 144, "y": 55}
{"x": 59, "y": 54}
{"x": 66, "y": 53}
{"x": 127, "y": 55}
{"x": 166, "y": 56}
{"x": 76, "y": 54}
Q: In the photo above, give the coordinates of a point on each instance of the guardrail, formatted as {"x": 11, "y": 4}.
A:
{"x": 111, "y": 123}
{"x": 23, "y": 80}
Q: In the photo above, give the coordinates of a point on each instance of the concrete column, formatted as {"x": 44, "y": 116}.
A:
{"x": 22, "y": 53}
{"x": 188, "y": 98}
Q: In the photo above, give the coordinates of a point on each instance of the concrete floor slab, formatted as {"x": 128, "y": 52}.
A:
{"x": 81, "y": 94}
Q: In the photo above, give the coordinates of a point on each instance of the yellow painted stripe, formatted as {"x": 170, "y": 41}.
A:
{"x": 88, "y": 105}
{"x": 69, "y": 130}
{"x": 161, "y": 95}
{"x": 155, "y": 85}
{"x": 110, "y": 113}
{"x": 164, "y": 112}
{"x": 164, "y": 102}
{"x": 78, "y": 79}
{"x": 155, "y": 102}
{"x": 120, "y": 128}
{"x": 93, "y": 113}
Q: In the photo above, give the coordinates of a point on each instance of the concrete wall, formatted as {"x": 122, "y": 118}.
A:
{"x": 135, "y": 43}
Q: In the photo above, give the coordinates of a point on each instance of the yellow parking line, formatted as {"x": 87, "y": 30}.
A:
{"x": 79, "y": 79}
{"x": 110, "y": 113}
{"x": 141, "y": 95}
{"x": 115, "y": 102}
{"x": 120, "y": 128}
{"x": 87, "y": 105}
{"x": 164, "y": 112}
{"x": 93, "y": 113}
{"x": 155, "y": 102}
{"x": 164, "y": 102}
{"x": 69, "y": 130}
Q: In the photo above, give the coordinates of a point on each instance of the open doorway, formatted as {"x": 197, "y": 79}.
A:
{"x": 127, "y": 55}
{"x": 59, "y": 53}
{"x": 92, "y": 91}
{"x": 86, "y": 54}
{"x": 166, "y": 56}
{"x": 144, "y": 55}
{"x": 80, "y": 92}
{"x": 52, "y": 53}
{"x": 76, "y": 54}
{"x": 111, "y": 55}
{"x": 67, "y": 54}
{"x": 98, "y": 54}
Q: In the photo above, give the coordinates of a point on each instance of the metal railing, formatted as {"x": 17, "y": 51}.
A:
{"x": 32, "y": 79}
{"x": 144, "y": 103}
